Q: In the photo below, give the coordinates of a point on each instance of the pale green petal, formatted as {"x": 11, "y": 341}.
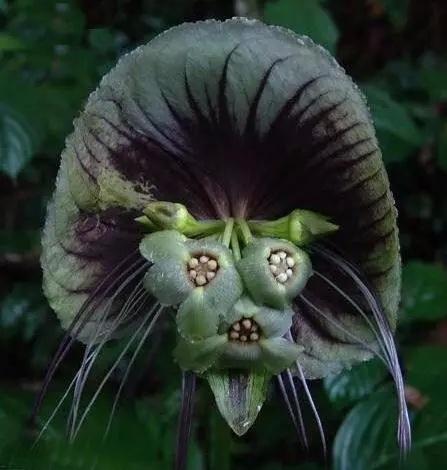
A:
{"x": 273, "y": 322}
{"x": 223, "y": 291}
{"x": 237, "y": 355}
{"x": 164, "y": 245}
{"x": 168, "y": 282}
{"x": 279, "y": 354}
{"x": 196, "y": 319}
{"x": 243, "y": 308}
{"x": 199, "y": 356}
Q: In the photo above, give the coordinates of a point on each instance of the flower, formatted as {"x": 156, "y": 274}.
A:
{"x": 250, "y": 337}
{"x": 274, "y": 271}
{"x": 198, "y": 275}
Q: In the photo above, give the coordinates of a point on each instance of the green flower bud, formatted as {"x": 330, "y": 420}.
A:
{"x": 274, "y": 271}
{"x": 200, "y": 275}
{"x": 169, "y": 216}
{"x": 163, "y": 215}
{"x": 300, "y": 227}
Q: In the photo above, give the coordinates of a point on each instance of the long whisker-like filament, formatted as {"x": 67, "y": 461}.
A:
{"x": 85, "y": 370}
{"x": 185, "y": 419}
{"x": 155, "y": 316}
{"x": 49, "y": 420}
{"x": 384, "y": 337}
{"x": 313, "y": 408}
{"x": 79, "y": 321}
{"x": 127, "y": 371}
{"x": 295, "y": 413}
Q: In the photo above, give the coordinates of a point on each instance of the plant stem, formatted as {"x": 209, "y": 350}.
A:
{"x": 247, "y": 236}
{"x": 235, "y": 246}
{"x": 226, "y": 238}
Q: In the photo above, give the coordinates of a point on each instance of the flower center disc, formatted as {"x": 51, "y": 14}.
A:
{"x": 202, "y": 269}
{"x": 245, "y": 331}
{"x": 281, "y": 266}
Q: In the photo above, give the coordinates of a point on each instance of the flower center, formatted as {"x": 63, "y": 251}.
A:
{"x": 245, "y": 331}
{"x": 281, "y": 266}
{"x": 202, "y": 269}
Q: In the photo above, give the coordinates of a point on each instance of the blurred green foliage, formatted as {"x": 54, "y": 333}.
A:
{"x": 52, "y": 54}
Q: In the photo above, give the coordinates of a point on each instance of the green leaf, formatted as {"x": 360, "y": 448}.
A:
{"x": 306, "y": 17}
{"x": 432, "y": 75}
{"x": 396, "y": 130}
{"x": 10, "y": 43}
{"x": 424, "y": 292}
{"x": 352, "y": 385}
{"x": 367, "y": 432}
{"x": 16, "y": 142}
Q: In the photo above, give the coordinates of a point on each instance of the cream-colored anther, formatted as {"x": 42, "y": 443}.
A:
{"x": 281, "y": 278}
{"x": 200, "y": 280}
{"x": 282, "y": 254}
{"x": 246, "y": 323}
{"x": 193, "y": 263}
{"x": 204, "y": 259}
{"x": 290, "y": 262}
{"x": 212, "y": 264}
{"x": 254, "y": 337}
{"x": 274, "y": 259}
{"x": 192, "y": 274}
{"x": 289, "y": 273}
{"x": 234, "y": 335}
{"x": 273, "y": 268}
{"x": 210, "y": 275}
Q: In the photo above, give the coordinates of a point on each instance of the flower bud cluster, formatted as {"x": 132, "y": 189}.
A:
{"x": 231, "y": 313}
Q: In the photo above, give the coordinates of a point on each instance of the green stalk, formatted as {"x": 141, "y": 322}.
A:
{"x": 245, "y": 231}
{"x": 226, "y": 238}
{"x": 235, "y": 248}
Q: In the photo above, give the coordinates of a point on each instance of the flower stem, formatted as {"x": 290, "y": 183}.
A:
{"x": 235, "y": 246}
{"x": 245, "y": 231}
{"x": 226, "y": 238}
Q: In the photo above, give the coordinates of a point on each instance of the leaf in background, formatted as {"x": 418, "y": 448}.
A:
{"x": 424, "y": 291}
{"x": 432, "y": 73}
{"x": 396, "y": 130}
{"x": 306, "y": 17}
{"x": 17, "y": 143}
{"x": 9, "y": 43}
{"x": 427, "y": 372}
{"x": 352, "y": 385}
{"x": 367, "y": 433}
{"x": 22, "y": 311}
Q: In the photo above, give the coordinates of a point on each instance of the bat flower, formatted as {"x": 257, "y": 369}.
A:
{"x": 250, "y": 337}
{"x": 224, "y": 181}
{"x": 198, "y": 275}
{"x": 274, "y": 271}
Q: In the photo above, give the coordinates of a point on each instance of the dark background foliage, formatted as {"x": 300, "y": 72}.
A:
{"x": 52, "y": 54}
